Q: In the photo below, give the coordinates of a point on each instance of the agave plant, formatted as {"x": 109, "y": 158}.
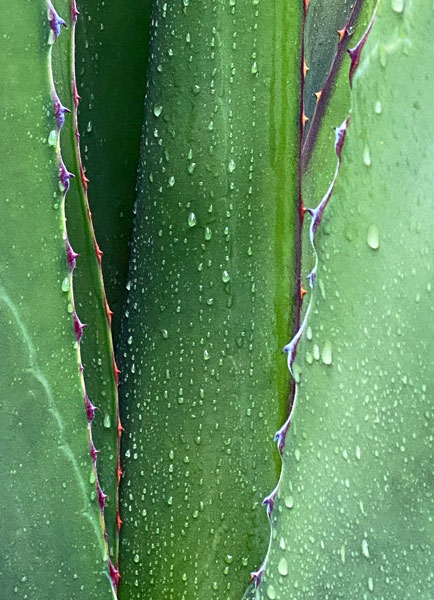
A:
{"x": 273, "y": 193}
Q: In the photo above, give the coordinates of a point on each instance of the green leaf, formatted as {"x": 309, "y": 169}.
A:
{"x": 212, "y": 289}
{"x": 112, "y": 62}
{"x": 90, "y": 300}
{"x": 52, "y": 540}
{"x": 353, "y": 515}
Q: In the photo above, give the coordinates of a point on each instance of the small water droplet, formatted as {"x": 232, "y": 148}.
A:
{"x": 373, "y": 237}
{"x": 107, "y": 421}
{"x": 378, "y": 107}
{"x": 171, "y": 181}
{"x": 208, "y": 234}
{"x": 365, "y": 548}
{"x": 89, "y": 126}
{"x": 231, "y": 166}
{"x": 191, "y": 219}
{"x": 225, "y": 277}
{"x": 254, "y": 68}
{"x": 66, "y": 285}
{"x": 366, "y": 156}
{"x": 271, "y": 592}
{"x": 158, "y": 109}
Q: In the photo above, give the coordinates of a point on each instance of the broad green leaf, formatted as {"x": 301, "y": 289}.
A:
{"x": 212, "y": 289}
{"x": 112, "y": 61}
{"x": 90, "y": 300}
{"x": 52, "y": 535}
{"x": 353, "y": 514}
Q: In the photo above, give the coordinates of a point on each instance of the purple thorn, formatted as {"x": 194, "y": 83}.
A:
{"x": 71, "y": 254}
{"x": 78, "y": 326}
{"x": 256, "y": 576}
{"x": 64, "y": 176}
{"x": 114, "y": 574}
{"x": 93, "y": 451}
{"x": 101, "y": 496}
{"x": 268, "y": 501}
{"x": 55, "y": 21}
{"x": 90, "y": 408}
{"x": 59, "y": 111}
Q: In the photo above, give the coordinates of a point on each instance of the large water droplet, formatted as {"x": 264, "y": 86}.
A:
{"x": 282, "y": 567}
{"x": 366, "y": 156}
{"x": 373, "y": 237}
{"x": 271, "y": 592}
{"x": 326, "y": 354}
{"x": 398, "y": 5}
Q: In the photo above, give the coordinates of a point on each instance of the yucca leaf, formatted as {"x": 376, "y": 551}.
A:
{"x": 212, "y": 290}
{"x": 112, "y": 60}
{"x": 52, "y": 543}
{"x": 352, "y": 518}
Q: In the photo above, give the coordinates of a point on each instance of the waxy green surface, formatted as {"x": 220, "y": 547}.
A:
{"x": 353, "y": 518}
{"x": 52, "y": 543}
{"x": 211, "y": 289}
{"x": 112, "y": 55}
{"x": 96, "y": 344}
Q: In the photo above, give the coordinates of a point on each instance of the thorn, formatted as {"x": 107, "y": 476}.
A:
{"x": 101, "y": 496}
{"x": 93, "y": 451}
{"x": 303, "y": 210}
{"x": 55, "y": 21}
{"x": 119, "y": 472}
{"x": 306, "y": 5}
{"x": 256, "y": 576}
{"x": 303, "y": 292}
{"x": 78, "y": 326}
{"x": 75, "y": 95}
{"x": 118, "y": 521}
{"x": 305, "y": 68}
{"x": 120, "y": 428}
{"x": 304, "y": 119}
{"x": 114, "y": 574}
{"x": 108, "y": 312}
{"x": 90, "y": 408}
{"x": 84, "y": 179}
{"x": 72, "y": 256}
{"x": 341, "y": 33}
{"x": 99, "y": 252}
{"x": 116, "y": 371}
{"x": 318, "y": 95}
{"x": 74, "y": 11}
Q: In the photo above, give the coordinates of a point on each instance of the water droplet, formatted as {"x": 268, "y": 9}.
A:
{"x": 373, "y": 237}
{"x": 271, "y": 592}
{"x": 89, "y": 126}
{"x": 225, "y": 277}
{"x": 365, "y": 548}
{"x": 378, "y": 107}
{"x": 191, "y": 219}
{"x": 171, "y": 181}
{"x": 206, "y": 355}
{"x": 326, "y": 354}
{"x": 254, "y": 68}
{"x": 370, "y": 584}
{"x": 231, "y": 166}
{"x": 107, "y": 421}
{"x": 289, "y": 502}
{"x": 66, "y": 285}
{"x": 136, "y": 558}
{"x": 52, "y": 138}
{"x": 158, "y": 110}
{"x": 398, "y": 5}
{"x": 366, "y": 156}
{"x": 282, "y": 567}
{"x": 208, "y": 234}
